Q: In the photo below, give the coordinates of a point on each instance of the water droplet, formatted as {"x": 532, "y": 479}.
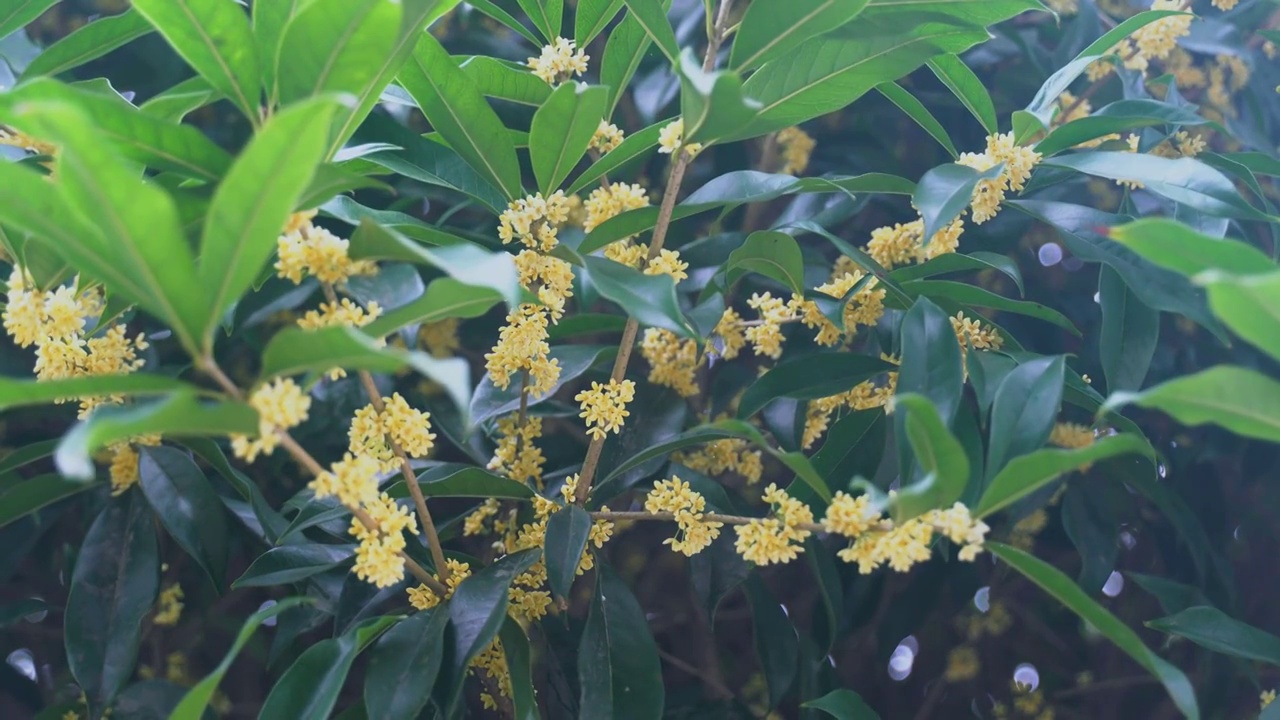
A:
{"x": 1114, "y": 584}
{"x": 1026, "y": 677}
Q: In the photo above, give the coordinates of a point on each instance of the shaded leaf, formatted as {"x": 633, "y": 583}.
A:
{"x": 770, "y": 253}
{"x": 187, "y": 506}
{"x": 1028, "y": 473}
{"x": 291, "y": 563}
{"x": 939, "y": 455}
{"x": 404, "y": 664}
{"x": 1024, "y": 409}
{"x": 32, "y": 494}
{"x": 562, "y": 129}
{"x": 567, "y": 532}
{"x": 88, "y": 42}
{"x": 618, "y": 667}
{"x": 1129, "y": 335}
{"x": 650, "y": 299}
{"x": 771, "y": 28}
{"x": 807, "y": 377}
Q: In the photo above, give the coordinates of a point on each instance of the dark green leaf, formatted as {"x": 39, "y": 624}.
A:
{"x": 574, "y": 360}
{"x": 32, "y": 494}
{"x": 188, "y": 507}
{"x": 946, "y": 191}
{"x": 444, "y": 298}
{"x": 561, "y": 131}
{"x": 27, "y": 454}
{"x": 468, "y": 482}
{"x": 113, "y": 586}
{"x": 931, "y": 363}
{"x": 979, "y": 297}
{"x": 637, "y": 144}
{"x": 18, "y": 393}
{"x": 1130, "y": 332}
{"x": 939, "y": 455}
{"x": 519, "y": 657}
{"x": 955, "y": 262}
{"x": 652, "y": 16}
{"x": 1114, "y": 118}
{"x": 309, "y": 688}
{"x": 334, "y": 46}
{"x": 618, "y": 667}
{"x": 591, "y": 18}
{"x": 772, "y": 28}
{"x": 1209, "y": 627}
{"x": 88, "y": 43}
{"x": 968, "y": 89}
{"x": 567, "y": 533}
{"x": 1244, "y": 401}
{"x": 770, "y": 253}
{"x": 465, "y": 263}
{"x": 916, "y": 110}
{"x": 291, "y": 563}
{"x": 1052, "y": 581}
{"x": 650, "y": 299}
{"x": 1093, "y": 527}
{"x": 777, "y": 645}
{"x": 1024, "y": 409}
{"x": 404, "y": 664}
{"x": 712, "y": 104}
{"x": 810, "y": 376}
{"x": 843, "y": 704}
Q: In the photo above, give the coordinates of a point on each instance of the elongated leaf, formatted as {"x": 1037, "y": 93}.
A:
{"x": 652, "y": 16}
{"x": 625, "y": 48}
{"x": 979, "y": 297}
{"x": 1211, "y": 628}
{"x": 404, "y": 665}
{"x": 636, "y": 145}
{"x": 712, "y": 103}
{"x": 968, "y": 89}
{"x": 618, "y": 667}
{"x": 775, "y": 640}
{"x": 1025, "y": 407}
{"x": 843, "y": 704}
{"x": 335, "y": 46}
{"x": 1114, "y": 118}
{"x": 931, "y": 358}
{"x": 444, "y": 298}
{"x": 113, "y": 587}
{"x": 567, "y": 533}
{"x": 770, "y": 253}
{"x": 772, "y": 28}
{"x": 175, "y": 103}
{"x": 270, "y": 20}
{"x": 1028, "y": 473}
{"x": 295, "y": 350}
{"x": 939, "y": 455}
{"x": 651, "y": 299}
{"x": 1052, "y": 581}
{"x": 194, "y": 704}
{"x": 187, "y": 506}
{"x": 32, "y": 494}
{"x": 561, "y": 130}
{"x": 468, "y": 482}
{"x": 1177, "y": 247}
{"x": 309, "y": 688}
{"x": 16, "y": 13}
{"x": 27, "y": 454}
{"x": 1249, "y": 305}
{"x": 88, "y": 43}
{"x": 253, "y": 203}
{"x": 177, "y": 415}
{"x": 19, "y": 393}
{"x": 291, "y": 563}
{"x": 574, "y": 360}
{"x": 1130, "y": 332}
{"x": 137, "y": 244}
{"x": 215, "y": 39}
{"x": 810, "y": 376}
{"x": 916, "y": 110}
{"x": 458, "y": 111}
{"x": 946, "y": 191}
{"x": 506, "y": 80}
{"x": 591, "y": 18}
{"x": 956, "y": 262}
{"x": 1244, "y": 401}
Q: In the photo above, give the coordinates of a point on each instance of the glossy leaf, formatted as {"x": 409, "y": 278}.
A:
{"x": 87, "y": 43}
{"x": 468, "y": 482}
{"x": 807, "y": 377}
{"x": 113, "y": 587}
{"x": 650, "y": 299}
{"x": 651, "y": 15}
{"x": 309, "y": 688}
{"x": 774, "y": 254}
{"x": 1025, "y": 407}
{"x": 187, "y": 506}
{"x": 506, "y": 80}
{"x": 1211, "y": 628}
{"x": 334, "y": 46}
{"x": 712, "y": 104}
{"x": 1052, "y": 581}
{"x": 1249, "y": 305}
{"x": 618, "y": 667}
{"x": 772, "y": 28}
{"x": 444, "y": 298}
{"x": 1028, "y": 473}
{"x": 1177, "y": 247}
{"x": 1244, "y": 401}
{"x": 939, "y": 455}
{"x": 1114, "y": 118}
{"x": 34, "y": 493}
{"x": 931, "y": 363}
{"x": 592, "y": 17}
{"x": 519, "y": 656}
{"x": 253, "y": 203}
{"x": 1130, "y": 333}
{"x": 916, "y": 110}
{"x": 403, "y": 666}
{"x": 215, "y": 39}
{"x": 956, "y": 262}
{"x": 946, "y": 191}
{"x": 843, "y": 704}
{"x": 458, "y": 111}
{"x": 291, "y": 563}
{"x": 968, "y": 89}
{"x": 561, "y": 130}
{"x": 567, "y": 532}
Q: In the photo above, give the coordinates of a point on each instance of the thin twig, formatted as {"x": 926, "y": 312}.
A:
{"x": 716, "y": 517}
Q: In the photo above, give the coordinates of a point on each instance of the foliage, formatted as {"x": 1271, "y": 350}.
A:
{"x": 347, "y": 296}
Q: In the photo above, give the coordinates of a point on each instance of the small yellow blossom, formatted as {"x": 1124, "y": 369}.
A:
{"x": 1266, "y": 697}
{"x": 606, "y": 138}
{"x": 440, "y": 338}
{"x": 970, "y": 332}
{"x": 549, "y": 277}
{"x": 558, "y": 62}
{"x": 962, "y": 664}
{"x": 315, "y": 251}
{"x": 676, "y": 497}
{"x": 515, "y": 455}
{"x": 1157, "y": 39}
{"x": 422, "y": 598}
{"x": 766, "y": 338}
{"x": 671, "y": 139}
{"x": 604, "y": 406}
{"x": 778, "y": 538}
{"x": 668, "y": 262}
{"x": 722, "y": 456}
{"x": 170, "y": 606}
{"x": 534, "y": 221}
{"x": 353, "y": 480}
{"x": 850, "y": 516}
{"x": 796, "y": 147}
{"x": 522, "y": 346}
{"x": 673, "y": 360}
{"x": 281, "y": 405}
{"x": 730, "y": 332}
{"x": 344, "y": 313}
{"x": 1071, "y": 435}
{"x": 477, "y": 522}
{"x": 609, "y": 201}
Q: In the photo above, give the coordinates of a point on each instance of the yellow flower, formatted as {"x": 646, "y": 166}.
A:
{"x": 766, "y": 338}
{"x": 729, "y": 330}
{"x": 170, "y": 606}
{"x": 796, "y": 147}
{"x": 353, "y": 480}
{"x": 408, "y": 427}
{"x": 727, "y": 455}
{"x": 534, "y": 221}
{"x": 314, "y": 251}
{"x": 440, "y": 338}
{"x": 1157, "y": 39}
{"x": 522, "y": 346}
{"x": 609, "y": 201}
{"x": 962, "y": 664}
{"x": 422, "y": 598}
{"x": 971, "y": 332}
{"x": 344, "y": 313}
{"x": 673, "y": 361}
{"x": 1071, "y": 435}
{"x": 668, "y": 262}
{"x": 604, "y": 406}
{"x": 1266, "y": 697}
{"x": 550, "y": 277}
{"x": 671, "y": 139}
{"x": 677, "y": 497}
{"x": 515, "y": 455}
{"x": 558, "y": 62}
{"x": 477, "y": 522}
{"x": 775, "y": 539}
{"x": 606, "y": 138}
{"x": 850, "y": 516}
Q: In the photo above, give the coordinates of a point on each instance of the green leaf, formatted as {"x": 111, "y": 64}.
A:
{"x": 195, "y": 703}
{"x": 652, "y": 16}
{"x": 506, "y": 80}
{"x": 404, "y": 664}
{"x": 519, "y": 657}
{"x": 1088, "y": 516}
{"x": 1210, "y": 628}
{"x": 490, "y": 402}
{"x": 477, "y": 610}
{"x": 1114, "y": 118}
{"x": 623, "y": 51}
{"x": 980, "y": 297}
{"x": 854, "y": 447}
{"x": 650, "y": 299}
{"x": 27, "y": 454}
{"x": 1025, "y": 407}
{"x": 775, "y": 640}
{"x": 712, "y": 103}
{"x": 1174, "y": 597}
{"x": 1130, "y": 333}
{"x": 567, "y": 532}
{"x": 772, "y": 28}
{"x": 956, "y": 262}
{"x": 17, "y": 13}
{"x": 177, "y": 415}
{"x": 461, "y": 115}
{"x": 291, "y": 563}
{"x": 294, "y": 350}
{"x": 89, "y": 42}
{"x": 33, "y": 494}
{"x": 178, "y": 101}
{"x": 1172, "y": 245}
{"x": 1244, "y": 401}
{"x": 253, "y": 203}
{"x": 1183, "y": 180}
{"x": 270, "y": 20}
{"x": 561, "y": 131}
{"x": 916, "y": 110}
{"x": 770, "y": 253}
{"x": 843, "y": 704}
{"x": 215, "y": 39}
{"x": 136, "y": 242}
{"x": 18, "y": 393}
{"x": 931, "y": 364}
{"x": 113, "y": 587}
{"x": 939, "y": 455}
{"x": 1025, "y": 474}
{"x": 1249, "y": 305}
{"x": 807, "y": 377}
{"x": 1052, "y": 581}
{"x": 490, "y": 8}
{"x": 618, "y": 667}
{"x": 334, "y": 46}
{"x": 187, "y": 506}
{"x": 946, "y": 191}
{"x": 830, "y": 71}
{"x": 444, "y": 298}
{"x": 968, "y": 89}
{"x": 592, "y": 17}
{"x": 467, "y": 482}
{"x": 309, "y": 688}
